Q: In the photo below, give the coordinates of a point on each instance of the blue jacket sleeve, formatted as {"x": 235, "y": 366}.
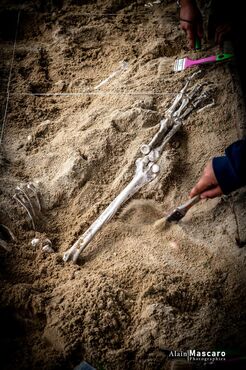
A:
{"x": 230, "y": 170}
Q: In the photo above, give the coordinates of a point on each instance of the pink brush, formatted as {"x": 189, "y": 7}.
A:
{"x": 181, "y": 64}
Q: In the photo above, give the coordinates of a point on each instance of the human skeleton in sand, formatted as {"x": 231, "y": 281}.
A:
{"x": 147, "y": 168}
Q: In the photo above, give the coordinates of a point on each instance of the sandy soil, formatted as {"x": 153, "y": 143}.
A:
{"x": 140, "y": 288}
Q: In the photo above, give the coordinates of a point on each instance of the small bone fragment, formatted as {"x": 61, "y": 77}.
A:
{"x": 206, "y": 106}
{"x": 47, "y": 248}
{"x": 48, "y": 242}
{"x": 155, "y": 168}
{"x": 123, "y": 66}
{"x": 168, "y": 137}
{"x": 26, "y": 199}
{"x": 35, "y": 242}
{"x": 28, "y": 196}
{"x": 165, "y": 124}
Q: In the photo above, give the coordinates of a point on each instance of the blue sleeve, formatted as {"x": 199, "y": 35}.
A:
{"x": 230, "y": 170}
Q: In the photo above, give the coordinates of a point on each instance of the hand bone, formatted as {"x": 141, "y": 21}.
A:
{"x": 146, "y": 168}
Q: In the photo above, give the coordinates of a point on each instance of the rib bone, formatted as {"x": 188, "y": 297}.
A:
{"x": 28, "y": 196}
{"x": 26, "y": 207}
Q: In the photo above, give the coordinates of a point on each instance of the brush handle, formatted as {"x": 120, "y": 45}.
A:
{"x": 197, "y": 43}
{"x": 190, "y": 203}
{"x": 191, "y": 62}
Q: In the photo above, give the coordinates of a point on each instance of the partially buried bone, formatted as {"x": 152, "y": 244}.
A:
{"x": 146, "y": 171}
{"x": 146, "y": 167}
{"x": 28, "y": 197}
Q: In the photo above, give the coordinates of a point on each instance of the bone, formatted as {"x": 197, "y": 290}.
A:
{"x": 17, "y": 198}
{"x": 146, "y": 167}
{"x": 48, "y": 249}
{"x": 144, "y": 174}
{"x": 123, "y": 66}
{"x": 35, "y": 242}
{"x": 180, "y": 96}
{"x": 164, "y": 126}
{"x": 29, "y": 198}
{"x": 209, "y": 105}
{"x": 33, "y": 189}
{"x": 26, "y": 200}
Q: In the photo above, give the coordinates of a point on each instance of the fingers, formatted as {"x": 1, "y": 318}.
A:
{"x": 212, "y": 193}
{"x": 200, "y": 30}
{"x": 192, "y": 31}
{"x": 222, "y": 33}
{"x": 190, "y": 34}
{"x": 190, "y": 38}
{"x": 201, "y": 186}
{"x": 207, "y": 186}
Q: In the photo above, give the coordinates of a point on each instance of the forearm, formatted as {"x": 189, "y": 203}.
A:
{"x": 230, "y": 170}
{"x": 183, "y": 3}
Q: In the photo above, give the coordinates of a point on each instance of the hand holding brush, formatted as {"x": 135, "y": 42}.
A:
{"x": 206, "y": 187}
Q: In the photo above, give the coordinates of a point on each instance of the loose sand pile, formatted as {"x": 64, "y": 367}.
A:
{"x": 140, "y": 288}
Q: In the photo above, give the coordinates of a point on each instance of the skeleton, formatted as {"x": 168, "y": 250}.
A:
{"x": 29, "y": 198}
{"x": 146, "y": 167}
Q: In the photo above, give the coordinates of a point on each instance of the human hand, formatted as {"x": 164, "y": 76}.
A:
{"x": 191, "y": 22}
{"x": 221, "y": 33}
{"x": 207, "y": 186}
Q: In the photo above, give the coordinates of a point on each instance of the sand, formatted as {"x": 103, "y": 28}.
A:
{"x": 140, "y": 288}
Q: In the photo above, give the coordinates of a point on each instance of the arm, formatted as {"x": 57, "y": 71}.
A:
{"x": 190, "y": 21}
{"x": 230, "y": 170}
{"x": 223, "y": 174}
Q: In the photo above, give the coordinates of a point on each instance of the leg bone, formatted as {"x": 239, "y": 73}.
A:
{"x": 26, "y": 199}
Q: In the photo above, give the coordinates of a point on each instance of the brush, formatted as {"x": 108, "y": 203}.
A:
{"x": 181, "y": 211}
{"x": 197, "y": 43}
{"x": 184, "y": 63}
